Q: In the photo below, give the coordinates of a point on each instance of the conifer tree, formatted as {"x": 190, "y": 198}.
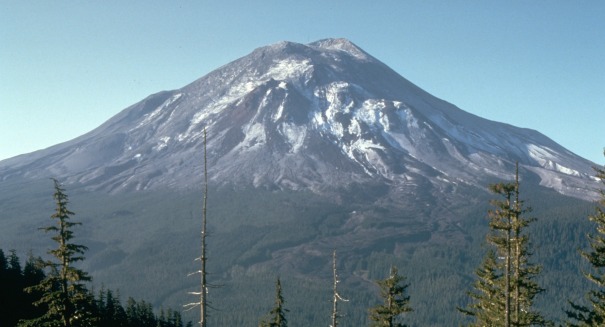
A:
{"x": 488, "y": 300}
{"x": 15, "y": 303}
{"x": 505, "y": 289}
{"x": 33, "y": 274}
{"x": 594, "y": 314}
{"x": 396, "y": 302}
{"x": 3, "y": 262}
{"x": 277, "y": 315}
{"x": 63, "y": 291}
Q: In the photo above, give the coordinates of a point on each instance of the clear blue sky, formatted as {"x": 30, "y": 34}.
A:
{"x": 67, "y": 66}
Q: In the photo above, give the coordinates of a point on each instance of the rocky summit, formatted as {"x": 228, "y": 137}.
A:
{"x": 320, "y": 116}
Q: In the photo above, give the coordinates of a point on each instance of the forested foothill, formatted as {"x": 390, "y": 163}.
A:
{"x": 514, "y": 284}
{"x": 54, "y": 292}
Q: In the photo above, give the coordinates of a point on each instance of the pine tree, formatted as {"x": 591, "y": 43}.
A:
{"x": 396, "y": 302}
{"x": 594, "y": 314}
{"x": 277, "y": 315}
{"x": 505, "y": 289}
{"x": 63, "y": 290}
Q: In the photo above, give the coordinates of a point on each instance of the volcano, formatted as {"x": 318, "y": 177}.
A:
{"x": 321, "y": 116}
{"x": 310, "y": 148}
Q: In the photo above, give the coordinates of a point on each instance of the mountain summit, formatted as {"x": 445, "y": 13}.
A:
{"x": 321, "y": 116}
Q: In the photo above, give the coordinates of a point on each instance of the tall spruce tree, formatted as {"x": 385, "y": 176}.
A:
{"x": 488, "y": 299}
{"x": 277, "y": 315}
{"x": 506, "y": 287}
{"x": 594, "y": 314}
{"x": 63, "y": 291}
{"x": 396, "y": 302}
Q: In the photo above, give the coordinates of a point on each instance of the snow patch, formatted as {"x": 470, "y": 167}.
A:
{"x": 318, "y": 118}
{"x": 278, "y": 114}
{"x": 289, "y": 68}
{"x": 547, "y": 158}
{"x": 149, "y": 117}
{"x": 354, "y": 128}
{"x": 236, "y": 91}
{"x": 366, "y": 148}
{"x": 295, "y": 136}
{"x": 162, "y": 143}
{"x": 255, "y": 136}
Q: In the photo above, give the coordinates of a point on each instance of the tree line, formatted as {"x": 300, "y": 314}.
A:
{"x": 53, "y": 292}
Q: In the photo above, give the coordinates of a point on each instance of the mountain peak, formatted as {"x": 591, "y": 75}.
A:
{"x": 341, "y": 44}
{"x": 316, "y": 116}
{"x": 321, "y": 46}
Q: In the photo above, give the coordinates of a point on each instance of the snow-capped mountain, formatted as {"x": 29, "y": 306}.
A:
{"x": 319, "y": 116}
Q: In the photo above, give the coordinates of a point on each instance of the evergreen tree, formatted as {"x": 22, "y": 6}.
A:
{"x": 594, "y": 314}
{"x": 13, "y": 279}
{"x": 4, "y": 297}
{"x": 506, "y": 287}
{"x": 3, "y": 263}
{"x": 15, "y": 303}
{"x": 488, "y": 301}
{"x": 63, "y": 290}
{"x": 396, "y": 302}
{"x": 33, "y": 274}
{"x": 11, "y": 292}
{"x": 277, "y": 315}
{"x": 109, "y": 310}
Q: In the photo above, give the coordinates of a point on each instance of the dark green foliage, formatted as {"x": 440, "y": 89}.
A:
{"x": 109, "y": 310}
{"x": 111, "y": 313}
{"x": 506, "y": 286}
{"x": 277, "y": 315}
{"x": 396, "y": 301}
{"x": 31, "y": 297}
{"x": 63, "y": 291}
{"x": 162, "y": 227}
{"x": 593, "y": 314}
{"x": 487, "y": 300}
{"x": 15, "y": 304}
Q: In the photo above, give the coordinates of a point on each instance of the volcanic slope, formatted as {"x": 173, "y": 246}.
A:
{"x": 321, "y": 116}
{"x": 311, "y": 148}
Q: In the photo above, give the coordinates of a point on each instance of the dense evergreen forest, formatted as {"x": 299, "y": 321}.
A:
{"x": 17, "y": 304}
{"x": 510, "y": 286}
{"x": 53, "y": 292}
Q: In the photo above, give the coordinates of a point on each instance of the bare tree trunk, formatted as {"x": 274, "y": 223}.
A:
{"x": 517, "y": 210}
{"x": 337, "y": 296}
{"x": 203, "y": 292}
{"x": 204, "y": 286}
{"x": 507, "y": 268}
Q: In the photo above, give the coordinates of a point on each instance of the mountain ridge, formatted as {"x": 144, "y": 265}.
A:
{"x": 310, "y": 116}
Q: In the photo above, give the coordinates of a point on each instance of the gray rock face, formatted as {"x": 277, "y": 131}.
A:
{"x": 319, "y": 116}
